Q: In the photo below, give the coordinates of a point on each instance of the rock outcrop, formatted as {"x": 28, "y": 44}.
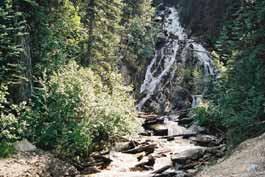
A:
{"x": 247, "y": 160}
{"x": 179, "y": 71}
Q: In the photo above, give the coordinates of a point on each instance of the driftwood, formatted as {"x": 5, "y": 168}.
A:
{"x": 147, "y": 116}
{"x": 161, "y": 170}
{"x": 146, "y": 164}
{"x": 146, "y": 148}
{"x": 179, "y": 135}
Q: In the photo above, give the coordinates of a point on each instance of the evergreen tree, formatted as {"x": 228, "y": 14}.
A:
{"x": 237, "y": 104}
{"x": 103, "y": 25}
{"x": 14, "y": 55}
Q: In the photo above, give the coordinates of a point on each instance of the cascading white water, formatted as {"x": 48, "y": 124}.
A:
{"x": 165, "y": 57}
{"x": 196, "y": 100}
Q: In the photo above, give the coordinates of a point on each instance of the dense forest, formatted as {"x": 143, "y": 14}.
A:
{"x": 60, "y": 82}
{"x": 71, "y": 70}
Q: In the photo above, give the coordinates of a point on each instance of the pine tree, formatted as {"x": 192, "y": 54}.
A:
{"x": 103, "y": 25}
{"x": 14, "y": 56}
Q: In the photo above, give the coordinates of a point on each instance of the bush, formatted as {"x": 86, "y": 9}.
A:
{"x": 11, "y": 127}
{"x": 76, "y": 113}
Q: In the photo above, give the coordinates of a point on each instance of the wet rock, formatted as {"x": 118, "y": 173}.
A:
{"x": 146, "y": 163}
{"x": 175, "y": 129}
{"x": 173, "y": 117}
{"x": 159, "y": 129}
{"x": 158, "y": 19}
{"x": 191, "y": 154}
{"x": 180, "y": 98}
{"x": 162, "y": 163}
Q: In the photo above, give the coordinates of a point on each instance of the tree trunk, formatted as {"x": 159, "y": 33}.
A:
{"x": 91, "y": 16}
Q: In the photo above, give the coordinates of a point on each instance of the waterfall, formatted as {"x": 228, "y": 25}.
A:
{"x": 176, "y": 48}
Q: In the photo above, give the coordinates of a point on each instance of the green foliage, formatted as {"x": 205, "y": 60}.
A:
{"x": 74, "y": 110}
{"x": 13, "y": 30}
{"x": 137, "y": 8}
{"x": 6, "y": 150}
{"x": 238, "y": 101}
{"x": 102, "y": 21}
{"x": 76, "y": 113}
{"x": 142, "y": 39}
{"x": 11, "y": 127}
{"x": 139, "y": 36}
{"x": 57, "y": 35}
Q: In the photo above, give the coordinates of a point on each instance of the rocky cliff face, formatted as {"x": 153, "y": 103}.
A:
{"x": 177, "y": 76}
{"x": 180, "y": 70}
{"x": 201, "y": 17}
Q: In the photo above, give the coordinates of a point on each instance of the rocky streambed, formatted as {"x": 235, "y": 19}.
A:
{"x": 167, "y": 147}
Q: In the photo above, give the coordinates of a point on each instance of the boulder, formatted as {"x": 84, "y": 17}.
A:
{"x": 24, "y": 146}
{"x": 190, "y": 154}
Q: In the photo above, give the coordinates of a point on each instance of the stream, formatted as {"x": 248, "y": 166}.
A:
{"x": 170, "y": 144}
{"x": 166, "y": 147}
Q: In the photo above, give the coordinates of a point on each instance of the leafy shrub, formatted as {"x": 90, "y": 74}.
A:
{"x": 11, "y": 127}
{"x": 76, "y": 113}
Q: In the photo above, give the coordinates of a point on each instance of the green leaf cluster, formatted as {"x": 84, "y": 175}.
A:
{"x": 11, "y": 128}
{"x": 76, "y": 113}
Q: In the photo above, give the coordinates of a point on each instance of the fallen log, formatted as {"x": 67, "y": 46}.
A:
{"x": 186, "y": 135}
{"x": 161, "y": 170}
{"x": 146, "y": 148}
